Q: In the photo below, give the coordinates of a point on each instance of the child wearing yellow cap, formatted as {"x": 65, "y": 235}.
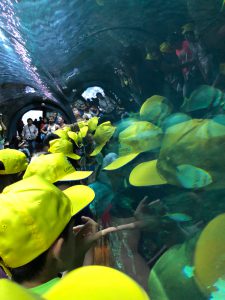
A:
{"x": 38, "y": 239}
{"x": 13, "y": 163}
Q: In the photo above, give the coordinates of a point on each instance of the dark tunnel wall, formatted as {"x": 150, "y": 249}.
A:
{"x": 60, "y": 48}
{"x": 57, "y": 46}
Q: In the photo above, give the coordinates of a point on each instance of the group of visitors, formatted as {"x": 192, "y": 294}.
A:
{"x": 173, "y": 66}
{"x": 30, "y": 137}
{"x": 55, "y": 229}
{"x": 98, "y": 106}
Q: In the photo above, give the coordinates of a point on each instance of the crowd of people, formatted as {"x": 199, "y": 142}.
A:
{"x": 98, "y": 106}
{"x": 71, "y": 192}
{"x": 55, "y": 236}
{"x": 29, "y": 138}
{"x": 173, "y": 67}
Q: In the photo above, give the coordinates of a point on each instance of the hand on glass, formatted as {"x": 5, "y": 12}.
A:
{"x": 86, "y": 235}
{"x": 143, "y": 219}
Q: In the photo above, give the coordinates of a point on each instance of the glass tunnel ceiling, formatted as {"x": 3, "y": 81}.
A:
{"x": 58, "y": 47}
{"x": 62, "y": 47}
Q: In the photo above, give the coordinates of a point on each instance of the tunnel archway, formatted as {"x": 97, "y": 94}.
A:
{"x": 66, "y": 112}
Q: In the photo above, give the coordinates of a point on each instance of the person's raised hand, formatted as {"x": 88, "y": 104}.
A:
{"x": 88, "y": 234}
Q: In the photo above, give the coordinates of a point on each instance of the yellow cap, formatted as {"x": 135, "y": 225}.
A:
{"x": 11, "y": 291}
{"x": 33, "y": 214}
{"x": 146, "y": 174}
{"x": 82, "y": 124}
{"x": 140, "y": 137}
{"x": 183, "y": 160}
{"x": 187, "y": 28}
{"x": 209, "y": 255}
{"x": 165, "y": 47}
{"x": 66, "y": 128}
{"x": 155, "y": 109}
{"x": 102, "y": 135}
{"x": 92, "y": 124}
{"x": 61, "y": 133}
{"x": 151, "y": 56}
{"x": 172, "y": 276}
{"x": 96, "y": 283}
{"x": 63, "y": 146}
{"x": 54, "y": 167}
{"x": 77, "y": 137}
{"x": 14, "y": 161}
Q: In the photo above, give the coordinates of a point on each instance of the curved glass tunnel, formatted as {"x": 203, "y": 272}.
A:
{"x": 163, "y": 170}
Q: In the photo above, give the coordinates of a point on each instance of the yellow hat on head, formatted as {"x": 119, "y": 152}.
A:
{"x": 165, "y": 47}
{"x": 54, "y": 167}
{"x": 83, "y": 131}
{"x": 209, "y": 257}
{"x": 187, "y": 28}
{"x": 77, "y": 137}
{"x": 152, "y": 56}
{"x": 155, "y": 109}
{"x": 102, "y": 135}
{"x": 96, "y": 283}
{"x": 93, "y": 124}
{"x": 66, "y": 128}
{"x": 139, "y": 137}
{"x": 14, "y": 161}
{"x": 37, "y": 212}
{"x": 82, "y": 124}
{"x": 63, "y": 146}
{"x": 61, "y": 133}
{"x": 9, "y": 290}
{"x": 183, "y": 159}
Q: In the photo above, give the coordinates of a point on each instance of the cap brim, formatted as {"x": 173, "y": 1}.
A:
{"x": 121, "y": 161}
{"x": 80, "y": 197}
{"x": 97, "y": 150}
{"x": 209, "y": 255}
{"x": 10, "y": 290}
{"x": 146, "y": 174}
{"x": 78, "y": 175}
{"x": 73, "y": 156}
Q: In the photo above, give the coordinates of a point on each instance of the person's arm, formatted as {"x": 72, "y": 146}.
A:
{"x": 85, "y": 238}
{"x": 35, "y": 131}
{"x": 23, "y": 132}
{"x": 2, "y": 124}
{"x": 44, "y": 129}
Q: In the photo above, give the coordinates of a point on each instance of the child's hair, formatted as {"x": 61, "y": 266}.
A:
{"x": 33, "y": 269}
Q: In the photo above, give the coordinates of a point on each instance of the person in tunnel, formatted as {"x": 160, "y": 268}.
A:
{"x": 50, "y": 127}
{"x": 61, "y": 122}
{"x": 173, "y": 79}
{"x": 192, "y": 76}
{"x": 2, "y": 132}
{"x": 62, "y": 246}
{"x": 30, "y": 133}
{"x": 107, "y": 106}
{"x": 204, "y": 60}
{"x": 13, "y": 164}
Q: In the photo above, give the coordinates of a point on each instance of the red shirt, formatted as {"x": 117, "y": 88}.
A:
{"x": 185, "y": 55}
